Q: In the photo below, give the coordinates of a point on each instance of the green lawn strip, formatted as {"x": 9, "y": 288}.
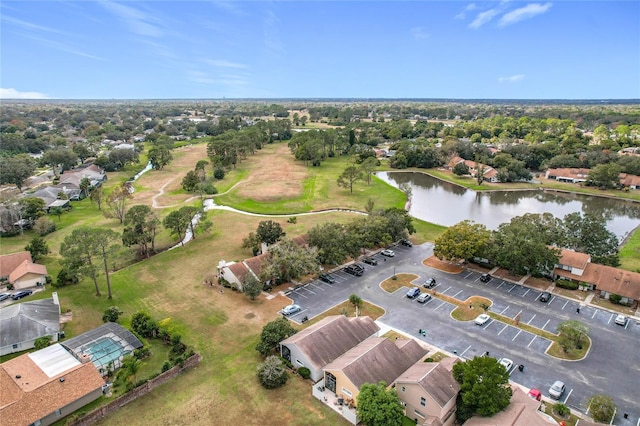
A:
{"x": 391, "y": 285}
{"x": 630, "y": 252}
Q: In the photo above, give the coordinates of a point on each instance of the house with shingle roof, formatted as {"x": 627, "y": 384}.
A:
{"x": 573, "y": 261}
{"x": 20, "y": 271}
{"x": 568, "y": 174}
{"x": 23, "y": 323}
{"x": 428, "y": 392}
{"x": 9, "y": 262}
{"x": 45, "y": 386}
{"x": 323, "y": 342}
{"x": 374, "y": 360}
{"x": 521, "y": 411}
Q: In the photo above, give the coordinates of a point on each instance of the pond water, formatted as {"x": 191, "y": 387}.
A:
{"x": 444, "y": 203}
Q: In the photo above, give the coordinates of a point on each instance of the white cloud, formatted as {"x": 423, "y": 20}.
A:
{"x": 469, "y": 8}
{"x": 222, "y": 63}
{"x": 138, "y": 21}
{"x": 30, "y": 26}
{"x": 15, "y": 94}
{"x": 483, "y": 18}
{"x": 512, "y": 79}
{"x": 419, "y": 33}
{"x": 526, "y": 12}
{"x": 64, "y": 47}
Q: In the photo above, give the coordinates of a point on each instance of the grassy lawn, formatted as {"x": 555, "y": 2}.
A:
{"x": 391, "y": 285}
{"x": 470, "y": 308}
{"x": 630, "y": 253}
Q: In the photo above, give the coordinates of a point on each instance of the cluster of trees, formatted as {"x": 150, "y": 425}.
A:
{"x": 196, "y": 180}
{"x": 272, "y": 373}
{"x": 528, "y": 244}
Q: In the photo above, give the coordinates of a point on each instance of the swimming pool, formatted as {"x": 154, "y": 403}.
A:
{"x": 104, "y": 351}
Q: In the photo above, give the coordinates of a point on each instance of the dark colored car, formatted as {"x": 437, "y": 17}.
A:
{"x": 413, "y": 292}
{"x": 429, "y": 283}
{"x": 485, "y": 278}
{"x": 354, "y": 270}
{"x": 327, "y": 278}
{"x": 545, "y": 296}
{"x": 19, "y": 295}
{"x": 370, "y": 261}
{"x": 406, "y": 243}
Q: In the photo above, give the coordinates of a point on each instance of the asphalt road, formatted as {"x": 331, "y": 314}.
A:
{"x": 612, "y": 366}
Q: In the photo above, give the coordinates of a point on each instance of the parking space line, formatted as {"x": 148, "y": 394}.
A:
{"x": 457, "y": 294}
{"x": 299, "y": 294}
{"x": 468, "y": 275}
{"x": 595, "y": 311}
{"x": 545, "y": 324}
{"x": 310, "y": 291}
{"x": 317, "y": 286}
{"x": 534, "y": 338}
{"x": 551, "y": 300}
{"x": 525, "y": 293}
{"x": 501, "y": 284}
{"x": 610, "y": 318}
{"x": 503, "y": 328}
{"x": 503, "y": 311}
{"x": 465, "y": 350}
{"x": 565, "y": 304}
{"x": 568, "y": 395}
{"x": 517, "y": 314}
{"x": 529, "y": 322}
{"x": 512, "y": 287}
{"x": 514, "y": 337}
{"x": 447, "y": 289}
{"x": 440, "y": 306}
{"x": 627, "y": 324}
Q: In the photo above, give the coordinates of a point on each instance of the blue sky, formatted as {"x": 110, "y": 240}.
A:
{"x": 320, "y": 49}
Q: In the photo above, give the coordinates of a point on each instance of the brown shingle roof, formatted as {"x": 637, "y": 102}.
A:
{"x": 435, "y": 378}
{"x": 239, "y": 270}
{"x": 574, "y": 173}
{"x": 377, "y": 359}
{"x": 9, "y": 262}
{"x": 574, "y": 259}
{"x": 35, "y": 395}
{"x": 331, "y": 337}
{"x": 27, "y": 267}
{"x": 255, "y": 263}
{"x": 609, "y": 279}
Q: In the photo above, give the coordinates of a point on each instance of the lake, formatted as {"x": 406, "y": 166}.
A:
{"x": 444, "y": 203}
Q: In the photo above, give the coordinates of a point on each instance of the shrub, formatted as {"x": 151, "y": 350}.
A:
{"x": 42, "y": 342}
{"x": 209, "y": 189}
{"x": 560, "y": 409}
{"x": 218, "y": 173}
{"x": 272, "y": 373}
{"x": 141, "y": 353}
{"x": 111, "y": 314}
{"x": 615, "y": 298}
{"x": 144, "y": 325}
{"x": 569, "y": 285}
{"x": 304, "y": 372}
{"x": 166, "y": 366}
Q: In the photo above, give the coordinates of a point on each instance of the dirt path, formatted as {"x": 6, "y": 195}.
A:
{"x": 154, "y": 199}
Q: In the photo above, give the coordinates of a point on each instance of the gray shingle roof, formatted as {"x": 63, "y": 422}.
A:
{"x": 435, "y": 378}
{"x": 27, "y": 321}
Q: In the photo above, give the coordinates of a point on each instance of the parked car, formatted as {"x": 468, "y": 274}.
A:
{"x": 424, "y": 297}
{"x": 429, "y": 283}
{"x": 485, "y": 278}
{"x": 506, "y": 363}
{"x": 370, "y": 261}
{"x": 413, "y": 292}
{"x": 621, "y": 320}
{"x": 290, "y": 310}
{"x": 23, "y": 293}
{"x": 358, "y": 265}
{"x": 545, "y": 296}
{"x": 388, "y": 253}
{"x": 482, "y": 319}
{"x": 406, "y": 243}
{"x": 327, "y": 278}
{"x": 557, "y": 389}
{"x": 354, "y": 270}
{"x": 4, "y": 296}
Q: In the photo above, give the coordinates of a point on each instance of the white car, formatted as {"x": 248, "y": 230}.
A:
{"x": 557, "y": 389}
{"x": 290, "y": 310}
{"x": 424, "y": 297}
{"x": 506, "y": 363}
{"x": 482, "y": 319}
{"x": 621, "y": 320}
{"x": 388, "y": 253}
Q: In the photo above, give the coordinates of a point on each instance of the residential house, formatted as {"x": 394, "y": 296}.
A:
{"x": 489, "y": 174}
{"x": 521, "y": 411}
{"x": 573, "y": 261}
{"x": 428, "y": 392}
{"x": 374, "y": 360}
{"x": 23, "y": 323}
{"x": 318, "y": 345}
{"x": 9, "y": 262}
{"x": 629, "y": 181}
{"x": 571, "y": 175}
{"x": 42, "y": 387}
{"x": 19, "y": 270}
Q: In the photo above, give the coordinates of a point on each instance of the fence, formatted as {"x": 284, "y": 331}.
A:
{"x": 136, "y": 393}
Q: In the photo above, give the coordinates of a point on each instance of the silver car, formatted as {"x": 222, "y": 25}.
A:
{"x": 557, "y": 389}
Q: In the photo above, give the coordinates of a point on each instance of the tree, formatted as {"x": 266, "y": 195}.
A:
{"x": 461, "y": 169}
{"x": 356, "y": 301}
{"x": 32, "y": 208}
{"x": 38, "y": 248}
{"x": 272, "y": 373}
{"x": 602, "y": 408}
{"x": 103, "y": 239}
{"x": 60, "y": 159}
{"x": 140, "y": 227}
{"x": 15, "y": 170}
{"x": 334, "y": 242}
{"x": 85, "y": 184}
{"x": 160, "y": 156}
{"x": 111, "y": 314}
{"x": 177, "y": 222}
{"x": 200, "y": 170}
{"x": 287, "y": 261}
{"x": 463, "y": 240}
{"x": 272, "y": 334}
{"x": 368, "y": 167}
{"x": 117, "y": 202}
{"x": 571, "y": 335}
{"x": 251, "y": 286}
{"x": 97, "y": 196}
{"x": 44, "y": 225}
{"x": 378, "y": 406}
{"x": 129, "y": 368}
{"x": 605, "y": 175}
{"x": 190, "y": 181}
{"x": 42, "y": 342}
{"x": 349, "y": 176}
{"x": 56, "y": 211}
{"x": 589, "y": 234}
{"x": 252, "y": 242}
{"x": 484, "y": 387}
{"x": 269, "y": 232}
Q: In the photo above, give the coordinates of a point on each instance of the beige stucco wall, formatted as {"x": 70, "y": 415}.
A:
{"x": 28, "y": 280}
{"x": 343, "y": 382}
{"x": 411, "y": 397}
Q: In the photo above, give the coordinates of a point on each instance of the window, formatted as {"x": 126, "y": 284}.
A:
{"x": 346, "y": 391}
{"x": 330, "y": 382}
{"x": 58, "y": 412}
{"x": 419, "y": 414}
{"x": 423, "y": 401}
{"x": 299, "y": 363}
{"x": 403, "y": 389}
